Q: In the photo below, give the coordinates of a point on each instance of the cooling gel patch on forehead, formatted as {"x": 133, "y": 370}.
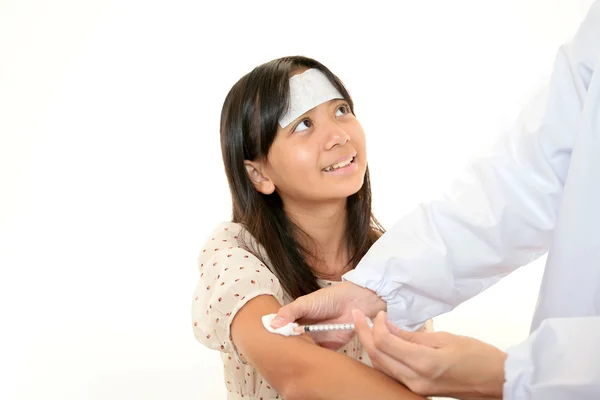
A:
{"x": 308, "y": 90}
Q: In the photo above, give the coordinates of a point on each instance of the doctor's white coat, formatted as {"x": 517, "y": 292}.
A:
{"x": 537, "y": 192}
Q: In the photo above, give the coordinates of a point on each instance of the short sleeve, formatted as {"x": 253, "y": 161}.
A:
{"x": 230, "y": 276}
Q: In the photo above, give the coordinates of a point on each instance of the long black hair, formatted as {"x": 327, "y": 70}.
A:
{"x": 249, "y": 120}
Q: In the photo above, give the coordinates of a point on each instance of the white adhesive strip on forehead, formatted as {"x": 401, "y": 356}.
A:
{"x": 308, "y": 90}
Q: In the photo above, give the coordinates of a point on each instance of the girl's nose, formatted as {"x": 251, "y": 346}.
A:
{"x": 335, "y": 136}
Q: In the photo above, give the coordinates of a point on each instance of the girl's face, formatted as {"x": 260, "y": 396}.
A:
{"x": 319, "y": 157}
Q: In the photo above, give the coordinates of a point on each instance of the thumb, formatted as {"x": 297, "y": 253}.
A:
{"x": 429, "y": 339}
{"x": 290, "y": 313}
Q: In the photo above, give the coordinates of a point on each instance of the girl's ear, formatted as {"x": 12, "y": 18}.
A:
{"x": 259, "y": 178}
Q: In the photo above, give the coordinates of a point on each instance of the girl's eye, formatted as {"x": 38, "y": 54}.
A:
{"x": 344, "y": 109}
{"x": 303, "y": 125}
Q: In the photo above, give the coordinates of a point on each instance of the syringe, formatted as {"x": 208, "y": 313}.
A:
{"x": 328, "y": 327}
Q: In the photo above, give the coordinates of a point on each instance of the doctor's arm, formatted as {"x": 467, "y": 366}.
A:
{"x": 496, "y": 218}
{"x": 558, "y": 361}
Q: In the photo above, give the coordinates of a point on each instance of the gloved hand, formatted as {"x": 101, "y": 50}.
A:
{"x": 332, "y": 305}
{"x": 433, "y": 363}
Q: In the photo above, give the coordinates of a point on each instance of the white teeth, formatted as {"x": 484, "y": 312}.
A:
{"x": 339, "y": 165}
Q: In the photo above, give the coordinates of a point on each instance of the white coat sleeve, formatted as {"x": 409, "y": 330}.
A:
{"x": 498, "y": 216}
{"x": 559, "y": 361}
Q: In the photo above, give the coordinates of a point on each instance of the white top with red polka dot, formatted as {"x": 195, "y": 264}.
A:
{"x": 230, "y": 276}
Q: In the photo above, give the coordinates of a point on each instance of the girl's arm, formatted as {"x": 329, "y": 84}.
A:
{"x": 299, "y": 369}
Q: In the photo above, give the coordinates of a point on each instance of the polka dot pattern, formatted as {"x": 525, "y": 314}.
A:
{"x": 229, "y": 278}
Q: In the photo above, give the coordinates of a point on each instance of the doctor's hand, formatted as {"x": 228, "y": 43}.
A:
{"x": 332, "y": 305}
{"x": 433, "y": 363}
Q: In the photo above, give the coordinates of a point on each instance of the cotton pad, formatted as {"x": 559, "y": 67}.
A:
{"x": 286, "y": 330}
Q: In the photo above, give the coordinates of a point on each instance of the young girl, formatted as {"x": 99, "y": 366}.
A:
{"x": 296, "y": 162}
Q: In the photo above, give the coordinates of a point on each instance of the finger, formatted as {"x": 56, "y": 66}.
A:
{"x": 360, "y": 324}
{"x": 319, "y": 306}
{"x": 332, "y": 340}
{"x": 335, "y": 341}
{"x": 288, "y": 313}
{"x": 431, "y": 339}
{"x": 415, "y": 356}
{"x": 291, "y": 312}
{"x": 380, "y": 361}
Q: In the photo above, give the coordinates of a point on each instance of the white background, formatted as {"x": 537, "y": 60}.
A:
{"x": 111, "y": 176}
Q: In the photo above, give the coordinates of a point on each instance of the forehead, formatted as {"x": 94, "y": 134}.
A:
{"x": 308, "y": 89}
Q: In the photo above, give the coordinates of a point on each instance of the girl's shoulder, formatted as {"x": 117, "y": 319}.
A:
{"x": 230, "y": 236}
{"x": 229, "y": 276}
{"x": 226, "y": 234}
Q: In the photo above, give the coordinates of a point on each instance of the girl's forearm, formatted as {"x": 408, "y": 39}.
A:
{"x": 336, "y": 376}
